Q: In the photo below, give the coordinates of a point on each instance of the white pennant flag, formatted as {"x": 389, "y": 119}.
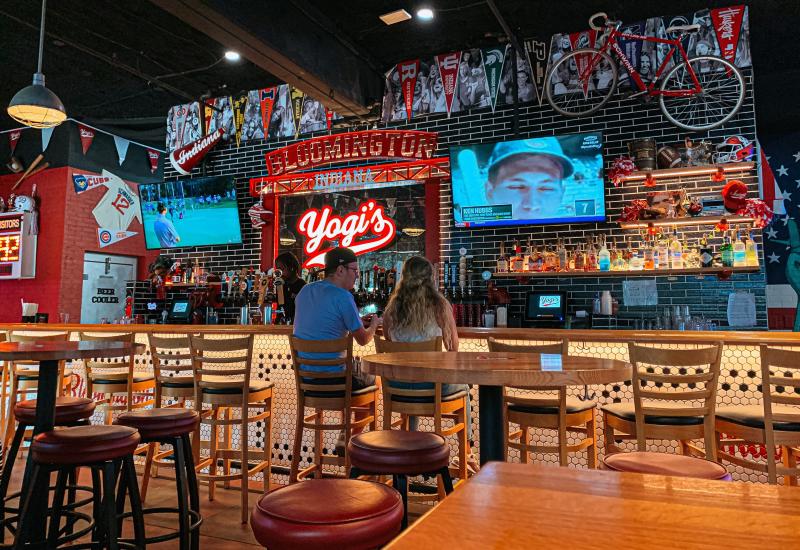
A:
{"x": 122, "y": 148}
{"x": 47, "y": 133}
{"x": 108, "y": 236}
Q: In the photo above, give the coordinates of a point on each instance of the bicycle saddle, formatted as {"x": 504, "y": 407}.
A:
{"x": 682, "y": 29}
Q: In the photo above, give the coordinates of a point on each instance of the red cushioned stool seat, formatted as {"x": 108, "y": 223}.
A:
{"x": 157, "y": 424}
{"x": 68, "y": 410}
{"x": 84, "y": 445}
{"x": 399, "y": 452}
{"x": 666, "y": 464}
{"x": 328, "y": 513}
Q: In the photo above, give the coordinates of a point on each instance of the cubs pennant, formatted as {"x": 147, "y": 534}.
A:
{"x": 408, "y": 81}
{"x": 107, "y": 237}
{"x": 84, "y": 182}
{"x": 448, "y": 69}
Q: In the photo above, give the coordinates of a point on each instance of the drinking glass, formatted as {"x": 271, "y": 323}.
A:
{"x": 63, "y": 317}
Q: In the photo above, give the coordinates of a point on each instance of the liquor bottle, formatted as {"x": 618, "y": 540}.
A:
{"x": 662, "y": 254}
{"x": 177, "y": 272}
{"x": 648, "y": 254}
{"x": 619, "y": 263}
{"x": 590, "y": 264}
{"x": 751, "y": 251}
{"x": 675, "y": 252}
{"x": 637, "y": 260}
{"x": 530, "y": 260}
{"x": 538, "y": 260}
{"x": 580, "y": 259}
{"x": 517, "y": 260}
{"x": 563, "y": 262}
{"x": 604, "y": 257}
{"x": 706, "y": 254}
{"x": 726, "y": 251}
{"x": 502, "y": 261}
{"x": 739, "y": 251}
{"x": 550, "y": 260}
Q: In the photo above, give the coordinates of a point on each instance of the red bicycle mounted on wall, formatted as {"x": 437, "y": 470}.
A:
{"x": 695, "y": 94}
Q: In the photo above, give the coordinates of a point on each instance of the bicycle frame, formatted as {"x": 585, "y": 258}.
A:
{"x": 613, "y": 44}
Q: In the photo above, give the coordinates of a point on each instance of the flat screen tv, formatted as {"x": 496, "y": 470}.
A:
{"x": 541, "y": 180}
{"x": 194, "y": 212}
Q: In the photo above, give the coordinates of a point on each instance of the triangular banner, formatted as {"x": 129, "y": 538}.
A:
{"x": 153, "y": 156}
{"x": 727, "y": 26}
{"x": 87, "y": 137}
{"x": 297, "y": 97}
{"x": 122, "y": 148}
{"x": 408, "y": 71}
{"x": 587, "y": 39}
{"x": 47, "y": 133}
{"x": 13, "y": 138}
{"x": 84, "y": 182}
{"x": 538, "y": 60}
{"x": 239, "y": 105}
{"x": 267, "y": 102}
{"x": 208, "y": 115}
{"x": 448, "y": 69}
{"x": 107, "y": 237}
{"x": 493, "y": 68}
{"x": 328, "y": 118}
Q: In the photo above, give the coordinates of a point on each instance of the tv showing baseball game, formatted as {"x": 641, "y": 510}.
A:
{"x": 194, "y": 212}
{"x": 539, "y": 180}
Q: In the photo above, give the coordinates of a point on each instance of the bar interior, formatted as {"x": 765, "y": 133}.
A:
{"x": 449, "y": 291}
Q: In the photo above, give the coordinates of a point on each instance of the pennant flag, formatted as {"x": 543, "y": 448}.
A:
{"x": 267, "y": 102}
{"x": 408, "y": 71}
{"x": 13, "y": 138}
{"x": 448, "y": 69}
{"x": 208, "y": 114}
{"x": 587, "y": 39}
{"x": 153, "y": 156}
{"x": 728, "y": 26}
{"x": 493, "y": 59}
{"x": 122, "y": 148}
{"x": 239, "y": 105}
{"x": 84, "y": 182}
{"x": 187, "y": 157}
{"x": 47, "y": 133}
{"x": 538, "y": 58}
{"x": 328, "y": 118}
{"x": 107, "y": 237}
{"x": 87, "y": 137}
{"x": 297, "y": 97}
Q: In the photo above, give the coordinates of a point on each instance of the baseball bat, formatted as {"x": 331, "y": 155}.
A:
{"x": 36, "y": 161}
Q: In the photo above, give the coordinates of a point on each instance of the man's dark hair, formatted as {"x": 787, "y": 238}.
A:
{"x": 161, "y": 208}
{"x": 290, "y": 261}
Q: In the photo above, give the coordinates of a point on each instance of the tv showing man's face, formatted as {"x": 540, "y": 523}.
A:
{"x": 531, "y": 184}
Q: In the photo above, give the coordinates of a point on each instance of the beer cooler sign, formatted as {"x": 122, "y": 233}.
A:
{"x": 17, "y": 246}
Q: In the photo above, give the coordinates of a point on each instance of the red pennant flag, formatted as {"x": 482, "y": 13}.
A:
{"x": 267, "y": 102}
{"x": 208, "y": 114}
{"x": 13, "y": 138}
{"x": 448, "y": 69}
{"x": 328, "y": 118}
{"x": 187, "y": 157}
{"x": 581, "y": 40}
{"x": 153, "y": 156}
{"x": 87, "y": 137}
{"x": 408, "y": 81}
{"x": 727, "y": 26}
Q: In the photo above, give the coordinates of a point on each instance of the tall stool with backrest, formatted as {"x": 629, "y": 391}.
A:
{"x": 426, "y": 402}
{"x": 25, "y": 377}
{"x": 117, "y": 377}
{"x": 172, "y": 369}
{"x": 670, "y": 402}
{"x": 222, "y": 373}
{"x": 547, "y": 409}
{"x": 327, "y": 391}
{"x": 775, "y": 424}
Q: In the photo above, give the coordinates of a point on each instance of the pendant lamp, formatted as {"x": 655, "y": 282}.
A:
{"x": 35, "y": 105}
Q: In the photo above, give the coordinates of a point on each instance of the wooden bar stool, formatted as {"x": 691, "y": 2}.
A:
{"x": 666, "y": 464}
{"x": 775, "y": 424}
{"x": 117, "y": 377}
{"x": 548, "y": 409}
{"x": 660, "y": 378}
{"x": 334, "y": 514}
{"x": 24, "y": 378}
{"x": 327, "y": 391}
{"x": 426, "y": 400}
{"x": 222, "y": 368}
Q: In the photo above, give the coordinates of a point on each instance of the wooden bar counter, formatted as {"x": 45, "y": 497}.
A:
{"x": 738, "y": 384}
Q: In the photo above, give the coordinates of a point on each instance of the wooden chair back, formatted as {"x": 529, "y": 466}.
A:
{"x": 780, "y": 368}
{"x": 221, "y": 362}
{"x": 316, "y": 381}
{"x": 664, "y": 385}
{"x": 171, "y": 356}
{"x": 122, "y": 369}
{"x": 557, "y": 348}
{"x": 17, "y": 337}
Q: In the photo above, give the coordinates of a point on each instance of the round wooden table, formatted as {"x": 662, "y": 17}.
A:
{"x": 49, "y": 354}
{"x": 491, "y": 371}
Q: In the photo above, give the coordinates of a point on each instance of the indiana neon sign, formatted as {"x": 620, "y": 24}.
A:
{"x": 321, "y": 224}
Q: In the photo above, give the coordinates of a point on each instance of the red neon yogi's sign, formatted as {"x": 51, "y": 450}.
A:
{"x": 321, "y": 224}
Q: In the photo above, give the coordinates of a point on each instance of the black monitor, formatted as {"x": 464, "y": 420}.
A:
{"x": 545, "y": 308}
{"x": 180, "y": 310}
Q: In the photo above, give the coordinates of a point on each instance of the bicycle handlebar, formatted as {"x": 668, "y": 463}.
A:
{"x": 606, "y": 23}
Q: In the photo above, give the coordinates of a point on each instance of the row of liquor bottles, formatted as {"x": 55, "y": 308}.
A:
{"x": 373, "y": 286}
{"x": 663, "y": 251}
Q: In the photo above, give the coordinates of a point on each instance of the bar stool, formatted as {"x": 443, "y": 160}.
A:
{"x": 776, "y": 423}
{"x": 112, "y": 378}
{"x": 106, "y": 450}
{"x": 172, "y": 427}
{"x": 660, "y": 377}
{"x": 172, "y": 369}
{"x": 347, "y": 514}
{"x": 222, "y": 370}
{"x": 24, "y": 378}
{"x": 426, "y": 400}
{"x": 400, "y": 454}
{"x": 666, "y": 464}
{"x": 330, "y": 388}
{"x": 552, "y": 411}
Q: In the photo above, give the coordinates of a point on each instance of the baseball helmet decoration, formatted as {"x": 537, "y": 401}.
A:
{"x": 734, "y": 195}
{"x": 734, "y": 149}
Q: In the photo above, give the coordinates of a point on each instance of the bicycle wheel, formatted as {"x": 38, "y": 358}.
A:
{"x": 720, "y": 99}
{"x": 570, "y": 96}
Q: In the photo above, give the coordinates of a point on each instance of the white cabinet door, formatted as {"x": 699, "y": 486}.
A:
{"x": 104, "y": 278}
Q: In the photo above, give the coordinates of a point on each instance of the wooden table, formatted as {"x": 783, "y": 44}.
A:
{"x": 49, "y": 354}
{"x": 531, "y": 506}
{"x": 491, "y": 371}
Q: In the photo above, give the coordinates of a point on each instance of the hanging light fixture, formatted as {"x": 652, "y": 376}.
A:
{"x": 285, "y": 236}
{"x": 35, "y": 105}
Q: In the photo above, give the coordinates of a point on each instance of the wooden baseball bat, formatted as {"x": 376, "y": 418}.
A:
{"x": 39, "y": 168}
{"x": 36, "y": 161}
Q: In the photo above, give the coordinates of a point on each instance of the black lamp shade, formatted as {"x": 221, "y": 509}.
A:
{"x": 37, "y": 107}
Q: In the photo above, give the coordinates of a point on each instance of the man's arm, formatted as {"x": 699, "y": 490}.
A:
{"x": 173, "y": 231}
{"x": 364, "y": 335}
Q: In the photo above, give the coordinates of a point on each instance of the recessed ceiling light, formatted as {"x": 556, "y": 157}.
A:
{"x": 397, "y": 16}
{"x": 231, "y": 55}
{"x": 426, "y": 14}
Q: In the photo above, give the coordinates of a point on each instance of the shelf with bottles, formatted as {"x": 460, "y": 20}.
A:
{"x": 668, "y": 173}
{"x": 686, "y": 221}
{"x": 714, "y": 270}
{"x": 193, "y": 285}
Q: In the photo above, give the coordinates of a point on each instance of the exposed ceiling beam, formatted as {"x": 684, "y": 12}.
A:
{"x": 281, "y": 39}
